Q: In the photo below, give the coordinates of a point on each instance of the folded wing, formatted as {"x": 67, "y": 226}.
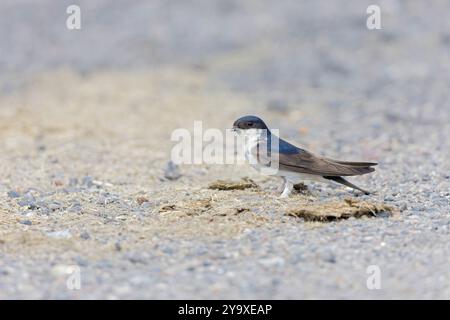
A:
{"x": 298, "y": 160}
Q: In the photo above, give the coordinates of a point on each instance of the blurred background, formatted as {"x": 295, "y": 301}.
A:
{"x": 85, "y": 123}
{"x": 256, "y": 47}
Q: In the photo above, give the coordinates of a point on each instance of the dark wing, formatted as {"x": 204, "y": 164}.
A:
{"x": 291, "y": 158}
{"x": 306, "y": 162}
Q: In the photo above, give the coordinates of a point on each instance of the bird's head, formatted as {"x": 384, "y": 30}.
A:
{"x": 249, "y": 122}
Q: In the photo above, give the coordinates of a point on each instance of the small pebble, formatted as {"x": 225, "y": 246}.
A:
{"x": 140, "y": 200}
{"x": 85, "y": 235}
{"x": 73, "y": 182}
{"x": 87, "y": 182}
{"x": 26, "y": 222}
{"x": 54, "y": 206}
{"x": 61, "y": 234}
{"x": 172, "y": 172}
{"x": 75, "y": 208}
{"x": 13, "y": 194}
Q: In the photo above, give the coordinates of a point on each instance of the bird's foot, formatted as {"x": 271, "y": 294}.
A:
{"x": 288, "y": 186}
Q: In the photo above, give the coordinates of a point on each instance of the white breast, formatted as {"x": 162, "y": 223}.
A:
{"x": 251, "y": 138}
{"x": 251, "y": 143}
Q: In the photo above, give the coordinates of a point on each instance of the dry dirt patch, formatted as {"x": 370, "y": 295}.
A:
{"x": 337, "y": 210}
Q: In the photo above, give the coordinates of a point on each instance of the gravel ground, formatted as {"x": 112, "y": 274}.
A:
{"x": 85, "y": 124}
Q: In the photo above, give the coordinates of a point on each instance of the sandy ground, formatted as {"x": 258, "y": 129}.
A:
{"x": 85, "y": 139}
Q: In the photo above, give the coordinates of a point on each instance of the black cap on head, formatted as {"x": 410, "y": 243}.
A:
{"x": 249, "y": 122}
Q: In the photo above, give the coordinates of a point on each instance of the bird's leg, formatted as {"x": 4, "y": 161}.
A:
{"x": 288, "y": 186}
{"x": 281, "y": 188}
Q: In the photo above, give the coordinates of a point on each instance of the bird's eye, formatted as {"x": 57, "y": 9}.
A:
{"x": 250, "y": 124}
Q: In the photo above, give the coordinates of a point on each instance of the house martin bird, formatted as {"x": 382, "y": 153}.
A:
{"x": 294, "y": 164}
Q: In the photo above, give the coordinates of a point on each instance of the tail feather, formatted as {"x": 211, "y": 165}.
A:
{"x": 356, "y": 164}
{"x": 358, "y": 168}
{"x": 346, "y": 183}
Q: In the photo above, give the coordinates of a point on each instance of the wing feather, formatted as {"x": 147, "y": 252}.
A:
{"x": 298, "y": 160}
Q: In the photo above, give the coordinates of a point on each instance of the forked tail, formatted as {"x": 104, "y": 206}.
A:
{"x": 346, "y": 183}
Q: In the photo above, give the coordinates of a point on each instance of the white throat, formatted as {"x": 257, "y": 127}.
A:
{"x": 251, "y": 137}
{"x": 252, "y": 133}
{"x": 250, "y": 140}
